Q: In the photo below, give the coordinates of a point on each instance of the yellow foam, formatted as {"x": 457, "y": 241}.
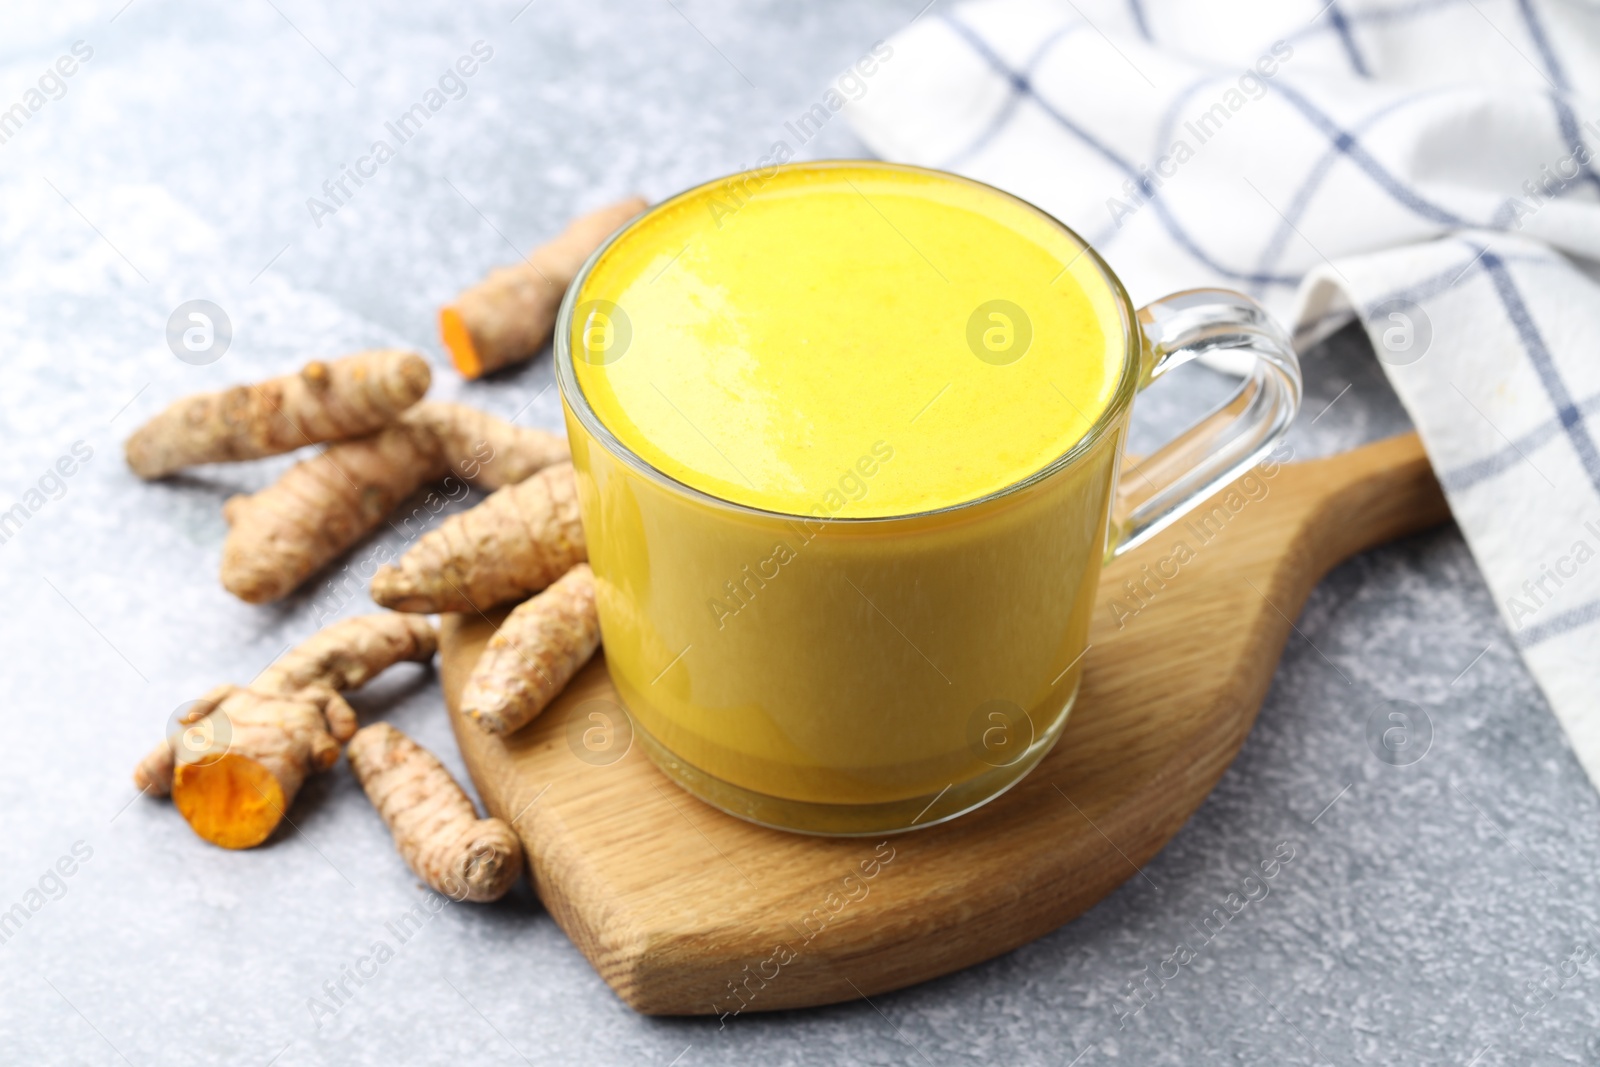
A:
{"x": 777, "y": 335}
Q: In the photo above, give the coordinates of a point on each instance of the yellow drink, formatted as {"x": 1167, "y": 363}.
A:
{"x": 773, "y": 343}
{"x": 820, "y": 423}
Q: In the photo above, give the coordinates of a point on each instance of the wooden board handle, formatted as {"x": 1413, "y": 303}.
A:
{"x": 1368, "y": 496}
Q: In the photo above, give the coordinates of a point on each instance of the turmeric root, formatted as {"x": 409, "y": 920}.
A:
{"x": 507, "y": 317}
{"x": 488, "y": 451}
{"x": 321, "y": 506}
{"x": 240, "y": 755}
{"x": 536, "y": 651}
{"x": 193, "y": 736}
{"x": 235, "y": 792}
{"x": 324, "y": 402}
{"x": 350, "y": 653}
{"x": 518, "y": 541}
{"x": 435, "y": 826}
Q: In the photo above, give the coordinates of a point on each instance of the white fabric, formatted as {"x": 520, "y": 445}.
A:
{"x": 1422, "y": 164}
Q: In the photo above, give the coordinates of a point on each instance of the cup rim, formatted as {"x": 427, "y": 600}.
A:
{"x": 575, "y": 402}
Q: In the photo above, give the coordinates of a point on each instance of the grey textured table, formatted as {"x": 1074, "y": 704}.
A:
{"x": 1429, "y": 909}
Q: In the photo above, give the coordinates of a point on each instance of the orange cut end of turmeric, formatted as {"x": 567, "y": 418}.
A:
{"x": 459, "y": 341}
{"x": 231, "y": 801}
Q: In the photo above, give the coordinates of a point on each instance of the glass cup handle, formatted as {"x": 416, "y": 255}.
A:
{"x": 1162, "y": 487}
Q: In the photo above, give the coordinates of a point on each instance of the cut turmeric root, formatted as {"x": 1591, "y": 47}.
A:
{"x": 240, "y": 755}
{"x": 435, "y": 826}
{"x": 534, "y": 654}
{"x": 194, "y": 735}
{"x": 234, "y": 792}
{"x": 518, "y": 541}
{"x": 232, "y": 801}
{"x": 324, "y": 402}
{"x": 321, "y": 506}
{"x": 507, "y": 317}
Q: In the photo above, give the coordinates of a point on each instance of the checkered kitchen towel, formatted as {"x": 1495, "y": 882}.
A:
{"x": 1431, "y": 166}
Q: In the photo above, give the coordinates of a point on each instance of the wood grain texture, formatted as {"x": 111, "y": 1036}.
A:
{"x": 685, "y": 910}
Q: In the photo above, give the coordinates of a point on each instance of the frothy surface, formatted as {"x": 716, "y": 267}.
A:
{"x": 847, "y": 339}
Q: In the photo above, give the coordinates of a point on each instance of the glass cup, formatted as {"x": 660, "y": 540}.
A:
{"x": 882, "y": 674}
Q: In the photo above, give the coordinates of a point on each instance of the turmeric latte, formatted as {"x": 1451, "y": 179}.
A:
{"x": 897, "y": 348}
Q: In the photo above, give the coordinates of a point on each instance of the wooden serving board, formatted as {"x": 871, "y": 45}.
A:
{"x": 685, "y": 910}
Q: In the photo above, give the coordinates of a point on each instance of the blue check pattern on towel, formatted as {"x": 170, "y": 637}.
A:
{"x": 1431, "y": 167}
